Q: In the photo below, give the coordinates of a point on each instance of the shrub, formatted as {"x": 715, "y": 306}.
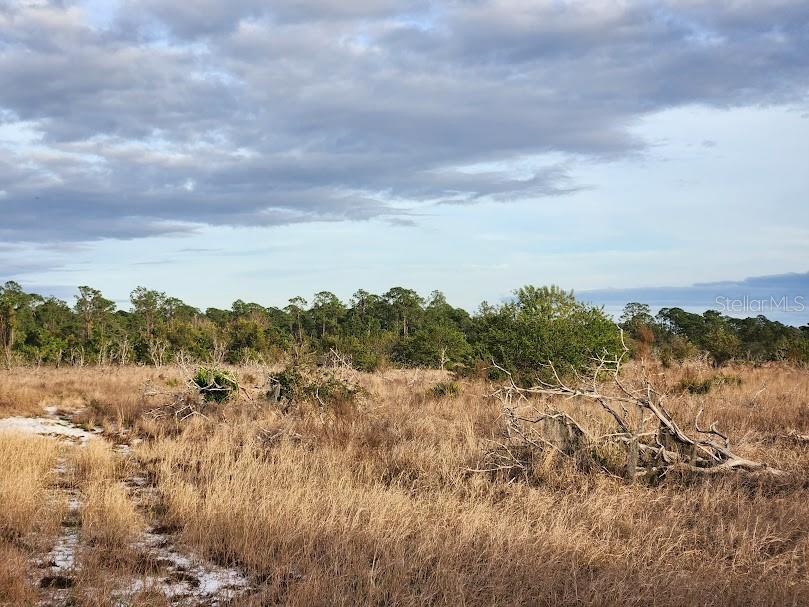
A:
{"x": 677, "y": 349}
{"x": 215, "y": 385}
{"x": 445, "y": 389}
{"x": 543, "y": 325}
{"x": 299, "y": 382}
{"x": 368, "y": 353}
{"x": 694, "y": 385}
{"x": 436, "y": 345}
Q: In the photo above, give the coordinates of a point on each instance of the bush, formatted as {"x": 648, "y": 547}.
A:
{"x": 369, "y": 353}
{"x": 694, "y": 385}
{"x": 446, "y": 389}
{"x": 215, "y": 385}
{"x": 300, "y": 382}
{"x": 677, "y": 349}
{"x": 436, "y": 345}
{"x": 543, "y": 325}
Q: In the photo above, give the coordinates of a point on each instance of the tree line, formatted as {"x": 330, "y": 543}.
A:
{"x": 674, "y": 335}
{"x": 399, "y": 327}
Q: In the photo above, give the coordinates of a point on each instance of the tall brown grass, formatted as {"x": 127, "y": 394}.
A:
{"x": 94, "y": 462}
{"x": 375, "y": 504}
{"x": 30, "y": 511}
{"x": 26, "y": 470}
{"x": 15, "y": 587}
{"x": 376, "y": 507}
{"x": 108, "y": 517}
{"x": 113, "y": 394}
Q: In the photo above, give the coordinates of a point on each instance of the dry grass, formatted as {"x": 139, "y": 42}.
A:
{"x": 15, "y": 588}
{"x": 30, "y": 511}
{"x": 112, "y": 394}
{"x": 94, "y": 462}
{"x": 26, "y": 469}
{"x": 108, "y": 517}
{"x": 375, "y": 507}
{"x": 373, "y": 504}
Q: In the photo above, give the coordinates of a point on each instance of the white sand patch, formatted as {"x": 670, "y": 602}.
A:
{"x": 46, "y": 426}
{"x": 215, "y": 581}
{"x": 63, "y": 554}
{"x": 123, "y": 449}
{"x": 186, "y": 576}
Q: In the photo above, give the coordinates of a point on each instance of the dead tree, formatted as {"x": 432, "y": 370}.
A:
{"x": 181, "y": 405}
{"x": 158, "y": 350}
{"x": 653, "y": 444}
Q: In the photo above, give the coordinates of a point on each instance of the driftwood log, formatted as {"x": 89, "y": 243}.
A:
{"x": 652, "y": 443}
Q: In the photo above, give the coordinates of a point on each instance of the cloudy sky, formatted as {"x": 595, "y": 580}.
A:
{"x": 244, "y": 148}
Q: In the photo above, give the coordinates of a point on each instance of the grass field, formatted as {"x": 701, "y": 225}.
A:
{"x": 374, "y": 503}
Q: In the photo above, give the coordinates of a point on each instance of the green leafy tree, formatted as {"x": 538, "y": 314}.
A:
{"x": 297, "y": 312}
{"x": 722, "y": 344}
{"x": 150, "y": 310}
{"x": 327, "y": 311}
{"x": 635, "y": 316}
{"x": 366, "y": 314}
{"x": 639, "y": 324}
{"x": 405, "y": 306}
{"x": 14, "y": 307}
{"x": 54, "y": 327}
{"x": 544, "y": 325}
{"x": 94, "y": 310}
{"x": 436, "y": 344}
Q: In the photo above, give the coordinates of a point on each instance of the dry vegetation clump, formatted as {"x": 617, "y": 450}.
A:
{"x": 26, "y": 470}
{"x": 94, "y": 395}
{"x": 108, "y": 516}
{"x": 15, "y": 588}
{"x": 620, "y": 424}
{"x": 22, "y": 398}
{"x": 30, "y": 512}
{"x": 94, "y": 462}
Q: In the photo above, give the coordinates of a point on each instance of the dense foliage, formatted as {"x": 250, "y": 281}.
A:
{"x": 397, "y": 327}
{"x": 674, "y": 335}
{"x": 215, "y": 385}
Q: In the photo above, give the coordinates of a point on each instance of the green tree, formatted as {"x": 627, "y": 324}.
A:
{"x": 327, "y": 311}
{"x": 94, "y": 310}
{"x": 541, "y": 326}
{"x": 636, "y": 315}
{"x": 297, "y": 310}
{"x": 149, "y": 308}
{"x": 14, "y": 305}
{"x": 436, "y": 344}
{"x": 722, "y": 344}
{"x": 639, "y": 324}
{"x": 406, "y": 307}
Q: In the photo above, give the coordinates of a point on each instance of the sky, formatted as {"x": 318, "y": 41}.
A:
{"x": 652, "y": 150}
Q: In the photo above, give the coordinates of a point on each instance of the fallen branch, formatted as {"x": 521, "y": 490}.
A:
{"x": 653, "y": 447}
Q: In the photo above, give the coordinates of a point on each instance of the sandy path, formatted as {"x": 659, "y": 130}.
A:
{"x": 180, "y": 576}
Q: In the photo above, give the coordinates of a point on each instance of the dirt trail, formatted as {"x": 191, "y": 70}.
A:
{"x": 167, "y": 569}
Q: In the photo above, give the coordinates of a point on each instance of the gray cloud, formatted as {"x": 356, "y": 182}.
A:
{"x": 240, "y": 113}
{"x": 205, "y": 18}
